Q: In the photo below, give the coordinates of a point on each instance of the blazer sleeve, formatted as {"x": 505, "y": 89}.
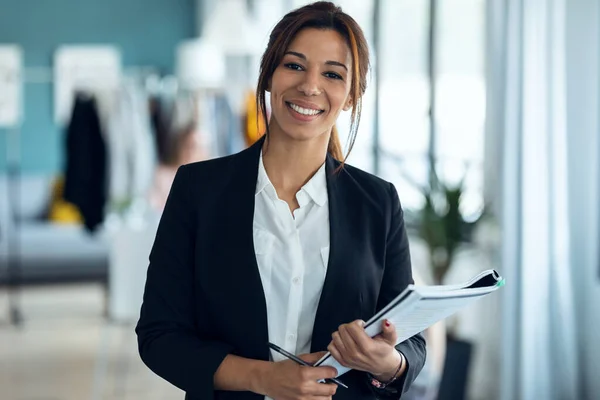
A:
{"x": 397, "y": 276}
{"x": 167, "y": 337}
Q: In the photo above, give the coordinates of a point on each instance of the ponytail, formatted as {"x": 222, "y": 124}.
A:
{"x": 334, "y": 148}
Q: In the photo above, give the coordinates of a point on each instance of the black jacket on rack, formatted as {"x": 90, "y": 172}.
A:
{"x": 86, "y": 162}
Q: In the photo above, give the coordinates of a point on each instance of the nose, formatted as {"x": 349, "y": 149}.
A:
{"x": 310, "y": 84}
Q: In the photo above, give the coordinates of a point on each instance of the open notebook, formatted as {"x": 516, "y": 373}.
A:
{"x": 419, "y": 307}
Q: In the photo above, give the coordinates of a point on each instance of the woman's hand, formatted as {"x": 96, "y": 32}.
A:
{"x": 287, "y": 380}
{"x": 353, "y": 348}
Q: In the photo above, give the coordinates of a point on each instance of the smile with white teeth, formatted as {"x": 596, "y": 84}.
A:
{"x": 304, "y": 111}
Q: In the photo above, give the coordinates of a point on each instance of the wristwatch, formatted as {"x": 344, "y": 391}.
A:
{"x": 382, "y": 385}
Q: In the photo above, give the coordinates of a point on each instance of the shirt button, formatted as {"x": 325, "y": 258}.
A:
{"x": 291, "y": 336}
{"x": 296, "y": 280}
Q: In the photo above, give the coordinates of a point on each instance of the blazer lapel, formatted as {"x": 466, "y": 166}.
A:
{"x": 245, "y": 294}
{"x": 338, "y": 303}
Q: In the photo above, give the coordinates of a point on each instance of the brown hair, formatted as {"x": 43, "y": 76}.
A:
{"x": 174, "y": 122}
{"x": 319, "y": 15}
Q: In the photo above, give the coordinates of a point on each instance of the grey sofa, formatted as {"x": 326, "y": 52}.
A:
{"x": 45, "y": 251}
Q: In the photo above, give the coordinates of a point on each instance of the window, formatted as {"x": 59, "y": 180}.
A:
{"x": 460, "y": 96}
{"x": 403, "y": 96}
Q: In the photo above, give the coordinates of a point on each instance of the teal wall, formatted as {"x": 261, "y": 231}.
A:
{"x": 146, "y": 31}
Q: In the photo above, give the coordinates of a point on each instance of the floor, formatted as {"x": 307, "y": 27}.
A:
{"x": 66, "y": 350}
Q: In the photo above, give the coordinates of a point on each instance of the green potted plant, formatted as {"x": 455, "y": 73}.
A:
{"x": 440, "y": 223}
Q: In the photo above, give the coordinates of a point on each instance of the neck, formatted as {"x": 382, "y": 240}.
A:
{"x": 291, "y": 163}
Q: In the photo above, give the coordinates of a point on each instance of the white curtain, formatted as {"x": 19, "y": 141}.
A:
{"x": 527, "y": 131}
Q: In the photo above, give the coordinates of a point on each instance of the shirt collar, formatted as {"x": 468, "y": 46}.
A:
{"x": 263, "y": 182}
{"x": 316, "y": 187}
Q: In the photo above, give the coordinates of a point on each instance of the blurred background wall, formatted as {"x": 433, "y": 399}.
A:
{"x": 146, "y": 31}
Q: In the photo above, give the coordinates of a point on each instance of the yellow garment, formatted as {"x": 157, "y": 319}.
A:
{"x": 253, "y": 130}
{"x": 61, "y": 211}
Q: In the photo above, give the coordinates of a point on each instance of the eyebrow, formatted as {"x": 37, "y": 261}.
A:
{"x": 329, "y": 62}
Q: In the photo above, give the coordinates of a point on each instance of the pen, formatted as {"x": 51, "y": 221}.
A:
{"x": 301, "y": 362}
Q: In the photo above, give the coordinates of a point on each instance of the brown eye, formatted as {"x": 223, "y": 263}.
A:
{"x": 333, "y": 75}
{"x": 293, "y": 66}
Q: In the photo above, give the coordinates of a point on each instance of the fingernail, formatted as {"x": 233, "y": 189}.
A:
{"x": 387, "y": 323}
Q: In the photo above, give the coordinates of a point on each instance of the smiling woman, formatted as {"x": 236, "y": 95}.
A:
{"x": 284, "y": 245}
{"x": 312, "y": 41}
{"x": 308, "y": 89}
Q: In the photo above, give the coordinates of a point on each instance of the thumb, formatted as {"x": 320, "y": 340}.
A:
{"x": 388, "y": 332}
{"x": 312, "y": 358}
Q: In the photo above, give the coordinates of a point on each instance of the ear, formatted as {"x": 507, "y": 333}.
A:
{"x": 348, "y": 104}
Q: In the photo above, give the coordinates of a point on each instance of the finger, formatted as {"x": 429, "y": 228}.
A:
{"x": 338, "y": 342}
{"x": 347, "y": 340}
{"x": 354, "y": 356}
{"x": 317, "y": 373}
{"x": 312, "y": 358}
{"x": 324, "y": 391}
{"x": 388, "y": 332}
{"x": 309, "y": 383}
{"x": 327, "y": 372}
{"x": 337, "y": 354}
{"x": 359, "y": 336}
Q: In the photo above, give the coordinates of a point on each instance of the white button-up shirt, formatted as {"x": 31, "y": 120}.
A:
{"x": 292, "y": 251}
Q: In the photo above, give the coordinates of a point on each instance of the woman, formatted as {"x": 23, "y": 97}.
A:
{"x": 283, "y": 243}
{"x": 178, "y": 143}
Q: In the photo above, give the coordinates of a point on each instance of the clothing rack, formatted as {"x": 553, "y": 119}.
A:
{"x": 14, "y": 273}
{"x": 13, "y": 269}
{"x": 150, "y": 80}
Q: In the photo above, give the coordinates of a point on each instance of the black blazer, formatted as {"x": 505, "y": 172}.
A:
{"x": 203, "y": 297}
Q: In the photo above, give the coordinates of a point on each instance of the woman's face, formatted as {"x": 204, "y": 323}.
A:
{"x": 311, "y": 85}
